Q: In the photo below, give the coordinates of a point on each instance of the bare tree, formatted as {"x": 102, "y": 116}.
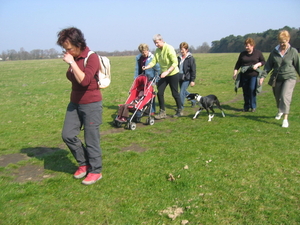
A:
{"x": 204, "y": 48}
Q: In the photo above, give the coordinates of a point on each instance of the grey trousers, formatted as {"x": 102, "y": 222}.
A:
{"x": 88, "y": 117}
{"x": 283, "y": 93}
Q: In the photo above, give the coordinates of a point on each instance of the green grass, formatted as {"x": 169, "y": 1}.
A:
{"x": 242, "y": 169}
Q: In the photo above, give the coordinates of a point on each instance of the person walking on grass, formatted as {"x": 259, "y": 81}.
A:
{"x": 284, "y": 62}
{"x": 249, "y": 61}
{"x": 84, "y": 110}
{"x": 165, "y": 55}
{"x": 187, "y": 72}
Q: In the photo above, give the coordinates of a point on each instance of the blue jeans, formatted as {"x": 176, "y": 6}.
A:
{"x": 88, "y": 116}
{"x": 249, "y": 91}
{"x": 183, "y": 90}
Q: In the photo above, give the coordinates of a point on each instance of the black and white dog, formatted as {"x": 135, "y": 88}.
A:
{"x": 206, "y": 102}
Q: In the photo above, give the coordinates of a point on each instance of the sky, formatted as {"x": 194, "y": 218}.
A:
{"x": 118, "y": 25}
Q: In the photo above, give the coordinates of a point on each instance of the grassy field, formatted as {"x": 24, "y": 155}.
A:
{"x": 241, "y": 169}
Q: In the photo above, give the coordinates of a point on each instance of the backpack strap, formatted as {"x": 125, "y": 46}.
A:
{"x": 102, "y": 63}
{"x": 85, "y": 60}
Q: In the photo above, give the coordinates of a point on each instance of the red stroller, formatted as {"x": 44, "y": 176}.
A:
{"x": 139, "y": 103}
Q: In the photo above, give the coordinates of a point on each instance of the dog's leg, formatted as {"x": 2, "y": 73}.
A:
{"x": 219, "y": 106}
{"x": 210, "y": 116}
{"x": 196, "y": 114}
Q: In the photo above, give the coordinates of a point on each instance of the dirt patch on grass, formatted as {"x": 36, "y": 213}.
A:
{"x": 12, "y": 158}
{"x": 135, "y": 148}
{"x": 124, "y": 127}
{"x": 29, "y": 173}
{"x": 23, "y": 173}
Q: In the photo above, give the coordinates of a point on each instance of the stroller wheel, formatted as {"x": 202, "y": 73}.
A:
{"x": 132, "y": 126}
{"x": 117, "y": 123}
{"x": 150, "y": 121}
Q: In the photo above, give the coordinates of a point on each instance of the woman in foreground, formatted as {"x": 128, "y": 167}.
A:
{"x": 84, "y": 110}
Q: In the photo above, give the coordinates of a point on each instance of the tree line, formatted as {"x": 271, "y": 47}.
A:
{"x": 265, "y": 42}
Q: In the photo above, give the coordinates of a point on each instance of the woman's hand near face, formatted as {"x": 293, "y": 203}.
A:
{"x": 68, "y": 58}
{"x": 79, "y": 75}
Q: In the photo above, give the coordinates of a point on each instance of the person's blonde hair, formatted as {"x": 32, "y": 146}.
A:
{"x": 143, "y": 47}
{"x": 249, "y": 41}
{"x": 283, "y": 35}
{"x": 184, "y": 45}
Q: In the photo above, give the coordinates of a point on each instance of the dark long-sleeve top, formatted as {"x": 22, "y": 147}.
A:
{"x": 188, "y": 67}
{"x": 246, "y": 59}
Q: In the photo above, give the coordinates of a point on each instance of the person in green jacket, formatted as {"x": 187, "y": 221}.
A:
{"x": 166, "y": 56}
{"x": 284, "y": 62}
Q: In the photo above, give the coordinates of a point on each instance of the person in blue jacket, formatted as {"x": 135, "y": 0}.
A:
{"x": 143, "y": 59}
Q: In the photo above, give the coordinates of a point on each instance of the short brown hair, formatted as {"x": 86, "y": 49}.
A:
{"x": 143, "y": 47}
{"x": 184, "y": 45}
{"x": 73, "y": 35}
{"x": 249, "y": 41}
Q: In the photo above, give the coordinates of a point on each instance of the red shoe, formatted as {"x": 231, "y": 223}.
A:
{"x": 81, "y": 172}
{"x": 121, "y": 119}
{"x": 124, "y": 119}
{"x": 91, "y": 178}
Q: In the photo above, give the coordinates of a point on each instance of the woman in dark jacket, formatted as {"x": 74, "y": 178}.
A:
{"x": 187, "y": 71}
{"x": 253, "y": 59}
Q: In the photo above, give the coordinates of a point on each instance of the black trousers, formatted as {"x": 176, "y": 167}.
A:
{"x": 173, "y": 82}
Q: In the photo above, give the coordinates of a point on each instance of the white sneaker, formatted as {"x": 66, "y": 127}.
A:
{"x": 285, "y": 123}
{"x": 278, "y": 116}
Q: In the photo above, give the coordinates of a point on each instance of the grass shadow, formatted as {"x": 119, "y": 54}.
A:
{"x": 55, "y": 159}
{"x": 228, "y": 107}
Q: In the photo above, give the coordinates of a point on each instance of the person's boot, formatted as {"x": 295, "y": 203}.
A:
{"x": 178, "y": 113}
{"x": 161, "y": 115}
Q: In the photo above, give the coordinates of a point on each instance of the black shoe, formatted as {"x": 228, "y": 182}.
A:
{"x": 245, "y": 110}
